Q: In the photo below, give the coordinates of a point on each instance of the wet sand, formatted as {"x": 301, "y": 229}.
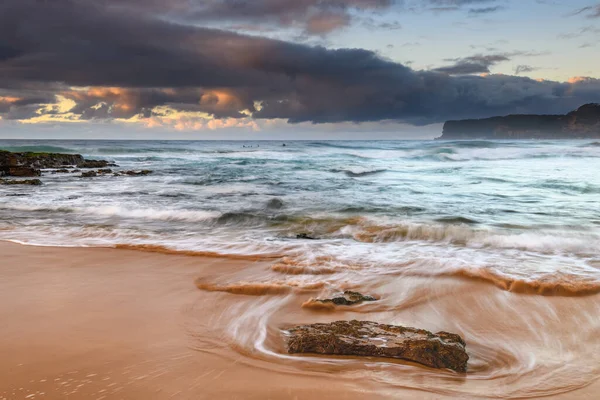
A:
{"x": 94, "y": 323}
{"x": 104, "y": 323}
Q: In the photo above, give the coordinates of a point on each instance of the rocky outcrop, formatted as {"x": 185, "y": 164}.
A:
{"x": 370, "y": 339}
{"x": 39, "y": 160}
{"x": 31, "y": 164}
{"x": 33, "y": 182}
{"x": 584, "y": 123}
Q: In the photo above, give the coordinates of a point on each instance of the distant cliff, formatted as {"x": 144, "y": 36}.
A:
{"x": 584, "y": 123}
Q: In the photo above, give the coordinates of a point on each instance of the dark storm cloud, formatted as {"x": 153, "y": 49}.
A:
{"x": 481, "y": 63}
{"x": 478, "y": 64}
{"x": 113, "y": 64}
{"x": 312, "y": 16}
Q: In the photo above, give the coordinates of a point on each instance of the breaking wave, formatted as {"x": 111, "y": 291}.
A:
{"x": 455, "y": 231}
{"x": 552, "y": 285}
{"x": 357, "y": 172}
{"x": 592, "y": 144}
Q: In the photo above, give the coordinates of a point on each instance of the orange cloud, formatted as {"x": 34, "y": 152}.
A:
{"x": 9, "y": 99}
{"x": 580, "y": 79}
{"x": 220, "y": 99}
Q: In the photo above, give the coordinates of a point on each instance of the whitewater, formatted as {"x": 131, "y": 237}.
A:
{"x": 495, "y": 240}
{"x": 515, "y": 210}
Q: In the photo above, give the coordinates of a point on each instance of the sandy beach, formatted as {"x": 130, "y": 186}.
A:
{"x": 99, "y": 323}
{"x": 104, "y": 323}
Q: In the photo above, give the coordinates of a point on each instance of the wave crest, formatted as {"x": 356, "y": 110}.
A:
{"x": 554, "y": 285}
{"x": 357, "y": 172}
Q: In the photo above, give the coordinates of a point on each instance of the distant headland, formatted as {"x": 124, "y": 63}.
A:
{"x": 584, "y": 123}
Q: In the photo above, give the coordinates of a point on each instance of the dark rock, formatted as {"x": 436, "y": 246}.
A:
{"x": 89, "y": 174}
{"x": 137, "y": 173}
{"x": 305, "y": 236}
{"x": 29, "y": 163}
{"x": 370, "y": 339}
{"x": 348, "y": 298}
{"x": 33, "y": 182}
{"x": 105, "y": 171}
{"x": 95, "y": 164}
{"x": 20, "y": 171}
{"x": 60, "y": 171}
{"x": 275, "y": 204}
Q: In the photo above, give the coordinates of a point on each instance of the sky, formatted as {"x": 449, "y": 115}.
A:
{"x": 288, "y": 69}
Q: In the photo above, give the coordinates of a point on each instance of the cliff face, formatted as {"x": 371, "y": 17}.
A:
{"x": 584, "y": 123}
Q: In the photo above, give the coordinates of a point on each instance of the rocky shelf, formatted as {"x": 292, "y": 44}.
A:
{"x": 31, "y": 164}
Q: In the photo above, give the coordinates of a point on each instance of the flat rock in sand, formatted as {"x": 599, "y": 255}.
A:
{"x": 348, "y": 298}
{"x": 370, "y": 339}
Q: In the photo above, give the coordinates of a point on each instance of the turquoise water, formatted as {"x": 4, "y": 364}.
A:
{"x": 525, "y": 210}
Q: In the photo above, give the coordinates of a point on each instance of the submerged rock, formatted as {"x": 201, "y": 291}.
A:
{"x": 305, "y": 236}
{"x": 96, "y": 164}
{"x": 33, "y": 182}
{"x": 89, "y": 174}
{"x": 143, "y": 172}
{"x": 348, "y": 298}
{"x": 370, "y": 339}
{"x": 275, "y": 204}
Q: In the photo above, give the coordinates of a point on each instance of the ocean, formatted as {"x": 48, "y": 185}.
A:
{"x": 494, "y": 240}
{"x": 505, "y": 211}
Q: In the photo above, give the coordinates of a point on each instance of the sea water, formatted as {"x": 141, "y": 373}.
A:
{"x": 506, "y": 211}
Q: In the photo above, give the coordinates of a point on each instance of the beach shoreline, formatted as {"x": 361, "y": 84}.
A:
{"x": 115, "y": 323}
{"x": 106, "y": 323}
